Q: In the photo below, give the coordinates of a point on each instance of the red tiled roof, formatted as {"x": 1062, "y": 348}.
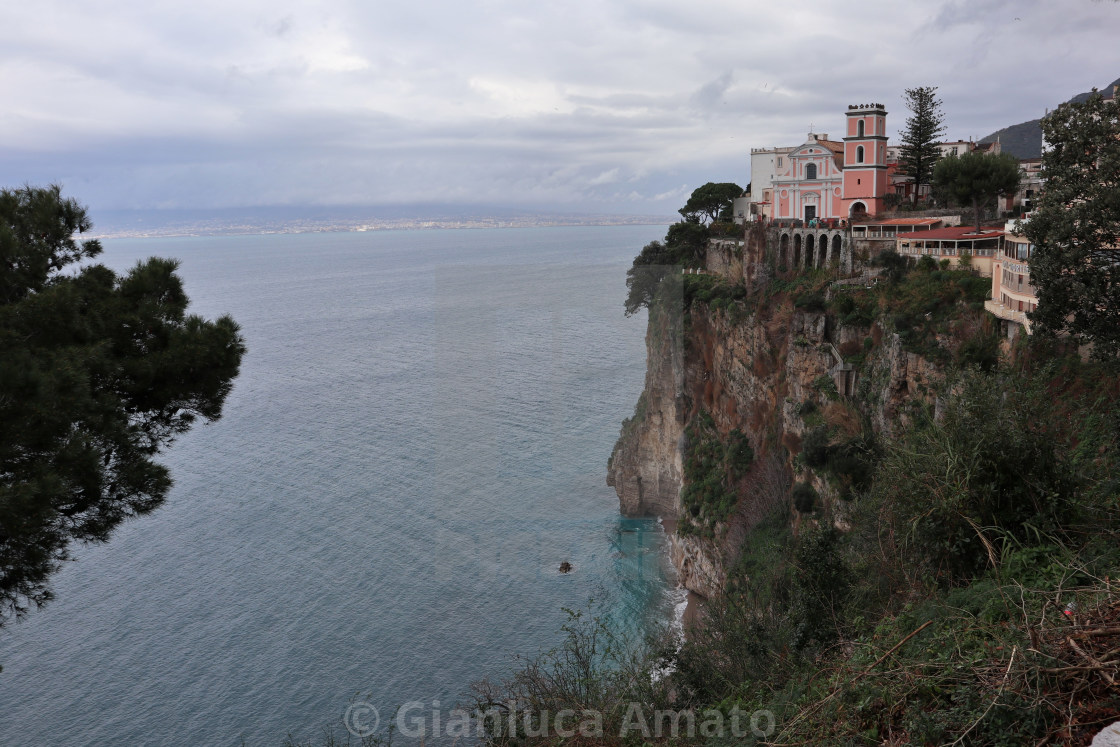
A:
{"x": 953, "y": 233}
{"x": 832, "y": 145}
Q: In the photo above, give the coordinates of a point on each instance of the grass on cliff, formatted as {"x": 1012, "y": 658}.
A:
{"x": 718, "y": 294}
{"x": 713, "y": 469}
{"x": 937, "y": 312}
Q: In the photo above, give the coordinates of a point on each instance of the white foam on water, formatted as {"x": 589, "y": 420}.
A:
{"x": 680, "y": 606}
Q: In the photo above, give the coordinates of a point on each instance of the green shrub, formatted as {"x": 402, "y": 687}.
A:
{"x": 822, "y": 583}
{"x": 711, "y": 468}
{"x": 738, "y": 454}
{"x": 810, "y": 301}
{"x": 826, "y": 386}
{"x": 975, "y": 288}
{"x": 855, "y": 308}
{"x": 842, "y": 304}
{"x": 981, "y": 349}
{"x": 804, "y": 498}
{"x": 989, "y": 469}
{"x": 903, "y": 322}
{"x": 726, "y": 229}
{"x": 712, "y": 290}
{"x": 814, "y": 448}
{"x": 895, "y": 266}
{"x": 852, "y": 464}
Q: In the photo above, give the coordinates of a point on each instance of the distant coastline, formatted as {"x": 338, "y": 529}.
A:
{"x": 163, "y": 226}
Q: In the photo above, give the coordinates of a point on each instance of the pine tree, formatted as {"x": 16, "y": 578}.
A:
{"x": 98, "y": 372}
{"x": 711, "y": 202}
{"x": 923, "y": 130}
{"x": 974, "y": 178}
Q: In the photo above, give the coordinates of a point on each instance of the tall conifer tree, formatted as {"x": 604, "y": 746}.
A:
{"x": 923, "y": 130}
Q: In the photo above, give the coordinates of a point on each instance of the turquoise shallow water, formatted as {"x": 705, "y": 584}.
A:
{"x": 418, "y": 438}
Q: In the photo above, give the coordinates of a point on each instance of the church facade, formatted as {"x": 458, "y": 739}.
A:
{"x": 828, "y": 179}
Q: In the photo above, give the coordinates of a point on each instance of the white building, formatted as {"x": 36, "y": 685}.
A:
{"x": 954, "y": 148}
{"x": 765, "y": 164}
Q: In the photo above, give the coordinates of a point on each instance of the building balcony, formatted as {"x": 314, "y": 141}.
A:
{"x": 1008, "y": 314}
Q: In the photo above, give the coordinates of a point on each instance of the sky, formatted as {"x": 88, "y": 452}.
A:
{"x": 617, "y": 106}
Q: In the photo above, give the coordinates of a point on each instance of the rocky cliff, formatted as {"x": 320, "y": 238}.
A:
{"x": 770, "y": 370}
{"x": 645, "y": 468}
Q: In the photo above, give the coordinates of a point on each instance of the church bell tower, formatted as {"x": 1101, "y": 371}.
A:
{"x": 865, "y": 159}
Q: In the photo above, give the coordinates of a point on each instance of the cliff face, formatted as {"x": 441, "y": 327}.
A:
{"x": 756, "y": 369}
{"x": 646, "y": 467}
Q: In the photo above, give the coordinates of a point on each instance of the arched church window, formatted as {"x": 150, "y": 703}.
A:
{"x": 859, "y": 153}
{"x": 811, "y": 171}
{"x": 859, "y": 128}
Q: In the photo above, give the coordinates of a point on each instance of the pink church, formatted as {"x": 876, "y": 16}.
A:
{"x": 828, "y": 179}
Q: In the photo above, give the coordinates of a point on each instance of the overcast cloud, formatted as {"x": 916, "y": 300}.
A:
{"x": 608, "y": 105}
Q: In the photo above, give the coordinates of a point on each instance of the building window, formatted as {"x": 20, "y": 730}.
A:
{"x": 859, "y": 154}
{"x": 859, "y": 128}
{"x": 811, "y": 171}
{"x": 779, "y": 163}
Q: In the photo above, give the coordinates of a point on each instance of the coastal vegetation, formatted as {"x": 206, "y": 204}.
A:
{"x": 683, "y": 247}
{"x": 706, "y": 214}
{"x": 98, "y": 373}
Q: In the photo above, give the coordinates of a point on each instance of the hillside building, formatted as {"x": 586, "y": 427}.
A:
{"x": 1013, "y": 295}
{"x": 951, "y": 242}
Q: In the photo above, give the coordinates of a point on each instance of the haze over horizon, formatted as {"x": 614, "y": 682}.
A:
{"x": 603, "y": 107}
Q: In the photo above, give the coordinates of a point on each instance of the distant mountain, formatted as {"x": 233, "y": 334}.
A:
{"x": 1022, "y": 140}
{"x": 1025, "y": 140}
{"x": 312, "y": 219}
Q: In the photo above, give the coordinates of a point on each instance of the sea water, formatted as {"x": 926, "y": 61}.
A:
{"x": 417, "y": 440}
